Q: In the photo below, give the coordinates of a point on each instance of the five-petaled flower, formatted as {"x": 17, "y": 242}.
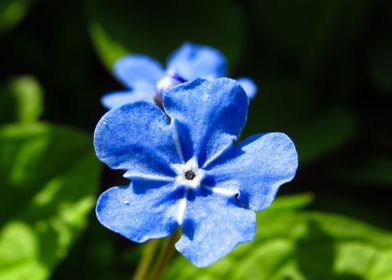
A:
{"x": 185, "y": 169}
{"x": 145, "y": 77}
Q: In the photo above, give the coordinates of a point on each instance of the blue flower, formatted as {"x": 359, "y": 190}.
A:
{"x": 185, "y": 169}
{"x": 144, "y": 76}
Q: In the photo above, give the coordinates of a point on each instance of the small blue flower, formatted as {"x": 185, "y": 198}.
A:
{"x": 186, "y": 171}
{"x": 144, "y": 76}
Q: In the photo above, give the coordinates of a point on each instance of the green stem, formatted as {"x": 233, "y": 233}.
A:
{"x": 164, "y": 257}
{"x": 147, "y": 257}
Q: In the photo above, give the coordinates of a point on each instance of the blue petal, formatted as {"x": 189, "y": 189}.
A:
{"x": 214, "y": 224}
{"x": 136, "y": 137}
{"x": 192, "y": 61}
{"x": 209, "y": 114}
{"x": 119, "y": 98}
{"x": 136, "y": 71}
{"x": 257, "y": 168}
{"x": 249, "y": 86}
{"x": 139, "y": 216}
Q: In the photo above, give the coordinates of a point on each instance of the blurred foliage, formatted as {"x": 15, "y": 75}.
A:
{"x": 104, "y": 255}
{"x": 312, "y": 31}
{"x": 376, "y": 170}
{"x": 48, "y": 177}
{"x": 319, "y": 132}
{"x": 120, "y": 27}
{"x": 11, "y": 12}
{"x": 21, "y": 100}
{"x": 324, "y": 71}
{"x": 301, "y": 245}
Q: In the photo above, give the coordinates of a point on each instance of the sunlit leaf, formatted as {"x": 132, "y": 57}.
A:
{"x": 48, "y": 180}
{"x": 21, "y": 100}
{"x": 19, "y": 253}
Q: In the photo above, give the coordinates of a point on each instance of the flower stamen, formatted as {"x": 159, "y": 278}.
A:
{"x": 189, "y": 175}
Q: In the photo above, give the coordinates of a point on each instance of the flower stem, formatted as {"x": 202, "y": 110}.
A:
{"x": 163, "y": 258}
{"x": 148, "y": 255}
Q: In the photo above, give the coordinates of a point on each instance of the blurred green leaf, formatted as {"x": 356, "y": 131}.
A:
{"x": 290, "y": 106}
{"x": 11, "y": 12}
{"x": 103, "y": 254}
{"x": 21, "y": 100}
{"x": 19, "y": 253}
{"x": 287, "y": 203}
{"x": 301, "y": 245}
{"x": 311, "y": 30}
{"x": 120, "y": 27}
{"x": 48, "y": 180}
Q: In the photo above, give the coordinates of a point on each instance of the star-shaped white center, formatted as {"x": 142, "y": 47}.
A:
{"x": 188, "y": 174}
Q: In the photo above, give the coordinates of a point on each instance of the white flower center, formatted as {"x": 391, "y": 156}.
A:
{"x": 188, "y": 174}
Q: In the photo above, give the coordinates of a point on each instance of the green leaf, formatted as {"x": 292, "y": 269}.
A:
{"x": 21, "y": 100}
{"x": 121, "y": 27}
{"x": 289, "y": 106}
{"x": 301, "y": 245}
{"x": 48, "y": 179}
{"x": 11, "y": 12}
{"x": 19, "y": 253}
{"x": 287, "y": 203}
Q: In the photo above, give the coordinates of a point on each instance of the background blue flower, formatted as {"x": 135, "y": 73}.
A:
{"x": 186, "y": 171}
{"x": 144, "y": 76}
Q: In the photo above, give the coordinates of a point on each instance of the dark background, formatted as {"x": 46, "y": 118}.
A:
{"x": 323, "y": 68}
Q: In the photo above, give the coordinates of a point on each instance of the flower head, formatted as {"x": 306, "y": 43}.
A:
{"x": 145, "y": 77}
{"x": 186, "y": 171}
